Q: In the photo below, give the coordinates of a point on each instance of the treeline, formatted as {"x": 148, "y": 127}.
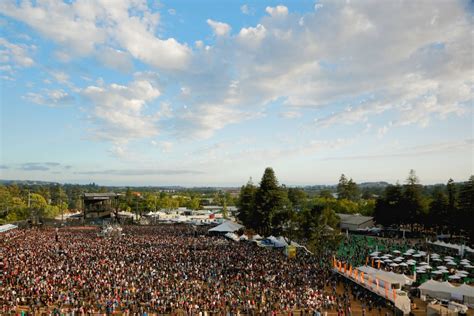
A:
{"x": 271, "y": 208}
{"x": 22, "y": 201}
{"x": 447, "y": 209}
{"x": 274, "y": 209}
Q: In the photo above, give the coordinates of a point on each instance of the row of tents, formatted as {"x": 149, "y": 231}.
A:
{"x": 229, "y": 229}
{"x": 447, "y": 291}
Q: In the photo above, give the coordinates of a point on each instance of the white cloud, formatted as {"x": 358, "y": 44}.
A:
{"x": 247, "y": 10}
{"x": 115, "y": 59}
{"x": 410, "y": 58}
{"x": 331, "y": 59}
{"x": 15, "y": 54}
{"x": 83, "y": 27}
{"x": 279, "y": 10}
{"x": 61, "y": 77}
{"x": 165, "y": 146}
{"x": 382, "y": 131}
{"x": 219, "y": 28}
{"x": 252, "y": 36}
{"x": 51, "y": 98}
{"x": 119, "y": 112}
{"x": 291, "y": 114}
{"x": 199, "y": 44}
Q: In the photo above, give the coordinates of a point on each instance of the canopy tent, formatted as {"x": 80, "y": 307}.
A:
{"x": 396, "y": 277}
{"x": 226, "y": 227}
{"x": 445, "y": 290}
{"x": 256, "y": 237}
{"x": 459, "y": 248}
{"x": 7, "y": 227}
{"x": 243, "y": 238}
{"x": 232, "y": 236}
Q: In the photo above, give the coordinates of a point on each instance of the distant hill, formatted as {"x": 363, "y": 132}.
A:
{"x": 26, "y": 182}
{"x": 379, "y": 184}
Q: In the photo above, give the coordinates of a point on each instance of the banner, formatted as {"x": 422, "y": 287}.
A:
{"x": 291, "y": 251}
{"x": 372, "y": 262}
{"x": 377, "y": 282}
{"x": 362, "y": 280}
{"x": 350, "y": 271}
{"x": 394, "y": 294}
{"x": 386, "y": 289}
{"x": 378, "y": 266}
{"x": 366, "y": 260}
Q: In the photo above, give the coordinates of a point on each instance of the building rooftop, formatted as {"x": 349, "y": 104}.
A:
{"x": 355, "y": 219}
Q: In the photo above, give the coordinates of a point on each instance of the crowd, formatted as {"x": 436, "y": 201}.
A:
{"x": 158, "y": 270}
{"x": 370, "y": 303}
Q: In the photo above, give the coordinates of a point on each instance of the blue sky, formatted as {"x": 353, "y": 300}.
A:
{"x": 211, "y": 92}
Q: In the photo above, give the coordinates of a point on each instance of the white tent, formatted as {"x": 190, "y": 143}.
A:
{"x": 243, "y": 237}
{"x": 445, "y": 290}
{"x": 398, "y": 277}
{"x": 226, "y": 227}
{"x": 256, "y": 237}
{"x": 232, "y": 236}
{"x": 7, "y": 227}
{"x": 459, "y": 248}
{"x": 277, "y": 243}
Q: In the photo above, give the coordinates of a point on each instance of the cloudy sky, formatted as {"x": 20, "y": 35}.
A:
{"x": 136, "y": 92}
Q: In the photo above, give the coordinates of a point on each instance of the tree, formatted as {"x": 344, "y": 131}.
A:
{"x": 38, "y": 205}
{"x": 341, "y": 187}
{"x": 313, "y": 226}
{"x": 438, "y": 210}
{"x": 246, "y": 204}
{"x": 347, "y": 189}
{"x": 388, "y": 208}
{"x": 326, "y": 194}
{"x": 451, "y": 191}
{"x": 413, "y": 204}
{"x": 297, "y": 197}
{"x": 271, "y": 204}
{"x": 466, "y": 207}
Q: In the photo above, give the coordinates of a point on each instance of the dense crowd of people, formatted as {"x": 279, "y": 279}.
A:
{"x": 158, "y": 270}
